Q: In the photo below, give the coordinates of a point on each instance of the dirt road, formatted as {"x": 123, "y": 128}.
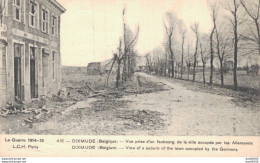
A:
{"x": 197, "y": 113}
{"x": 147, "y": 105}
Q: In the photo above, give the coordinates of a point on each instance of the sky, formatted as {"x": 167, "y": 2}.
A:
{"x": 91, "y": 29}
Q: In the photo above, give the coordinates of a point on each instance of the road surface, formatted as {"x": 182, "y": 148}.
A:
{"x": 195, "y": 113}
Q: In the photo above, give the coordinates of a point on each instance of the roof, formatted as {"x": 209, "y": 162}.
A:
{"x": 94, "y": 65}
{"x": 58, "y": 5}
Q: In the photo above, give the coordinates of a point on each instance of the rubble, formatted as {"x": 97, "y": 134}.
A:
{"x": 39, "y": 114}
{"x": 63, "y": 93}
{"x": 57, "y": 98}
{"x": 143, "y": 117}
{"x": 37, "y": 110}
{"x": 11, "y": 108}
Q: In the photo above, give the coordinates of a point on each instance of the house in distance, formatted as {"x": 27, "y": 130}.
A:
{"x": 94, "y": 68}
{"x": 30, "y": 59}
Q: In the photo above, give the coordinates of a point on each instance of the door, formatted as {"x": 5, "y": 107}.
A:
{"x": 33, "y": 73}
{"x": 17, "y": 77}
{"x": 32, "y": 79}
{"x": 18, "y": 90}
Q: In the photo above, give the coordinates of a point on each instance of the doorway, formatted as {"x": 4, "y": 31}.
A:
{"x": 33, "y": 74}
{"x": 17, "y": 71}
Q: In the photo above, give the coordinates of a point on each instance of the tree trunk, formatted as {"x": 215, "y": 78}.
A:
{"x": 164, "y": 70}
{"x": 110, "y": 70}
{"x": 258, "y": 33}
{"x": 188, "y": 72}
{"x": 118, "y": 74}
{"x": 211, "y": 57}
{"x": 235, "y": 68}
{"x": 194, "y": 66}
{"x": 235, "y": 48}
{"x": 124, "y": 68}
{"x": 172, "y": 61}
{"x": 128, "y": 65}
{"x": 169, "y": 71}
{"x": 178, "y": 72}
{"x": 165, "y": 66}
{"x": 182, "y": 51}
{"x": 221, "y": 73}
{"x": 204, "y": 80}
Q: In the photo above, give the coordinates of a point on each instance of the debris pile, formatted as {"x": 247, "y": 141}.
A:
{"x": 11, "y": 108}
{"x": 76, "y": 93}
{"x": 104, "y": 104}
{"x": 143, "y": 118}
{"x": 63, "y": 93}
{"x": 39, "y": 114}
{"x": 84, "y": 90}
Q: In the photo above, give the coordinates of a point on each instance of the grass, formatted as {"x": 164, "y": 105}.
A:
{"x": 246, "y": 83}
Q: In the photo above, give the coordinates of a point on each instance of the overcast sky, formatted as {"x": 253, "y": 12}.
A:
{"x": 80, "y": 44}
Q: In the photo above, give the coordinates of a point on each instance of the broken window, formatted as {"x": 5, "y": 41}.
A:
{"x": 53, "y": 25}
{"x": 32, "y": 14}
{"x": 17, "y": 9}
{"x": 45, "y": 20}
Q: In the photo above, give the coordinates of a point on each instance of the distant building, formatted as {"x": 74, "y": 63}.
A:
{"x": 30, "y": 59}
{"x": 144, "y": 68}
{"x": 228, "y": 65}
{"x": 199, "y": 68}
{"x": 254, "y": 69}
{"x": 94, "y": 68}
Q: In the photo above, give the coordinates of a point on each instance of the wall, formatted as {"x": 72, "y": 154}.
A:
{"x": 20, "y": 32}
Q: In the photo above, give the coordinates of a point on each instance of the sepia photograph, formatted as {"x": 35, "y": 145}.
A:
{"x": 130, "y": 67}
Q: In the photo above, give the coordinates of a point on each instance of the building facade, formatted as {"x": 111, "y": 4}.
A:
{"x": 30, "y": 59}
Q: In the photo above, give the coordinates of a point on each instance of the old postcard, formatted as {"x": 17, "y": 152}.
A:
{"x": 129, "y": 78}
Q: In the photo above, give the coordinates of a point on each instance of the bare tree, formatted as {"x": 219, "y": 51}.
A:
{"x": 114, "y": 59}
{"x": 188, "y": 62}
{"x": 169, "y": 26}
{"x": 125, "y": 48}
{"x": 219, "y": 55}
{"x": 214, "y": 15}
{"x": 195, "y": 29}
{"x": 177, "y": 59}
{"x": 129, "y": 43}
{"x": 127, "y": 56}
{"x": 132, "y": 62}
{"x": 183, "y": 32}
{"x": 234, "y": 20}
{"x": 167, "y": 59}
{"x": 204, "y": 55}
{"x": 158, "y": 61}
{"x": 149, "y": 62}
{"x": 252, "y": 9}
{"x": 119, "y": 59}
{"x": 223, "y": 43}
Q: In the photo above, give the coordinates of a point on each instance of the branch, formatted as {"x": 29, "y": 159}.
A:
{"x": 250, "y": 14}
{"x": 137, "y": 33}
{"x": 247, "y": 38}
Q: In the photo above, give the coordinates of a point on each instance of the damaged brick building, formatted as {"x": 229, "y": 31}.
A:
{"x": 30, "y": 59}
